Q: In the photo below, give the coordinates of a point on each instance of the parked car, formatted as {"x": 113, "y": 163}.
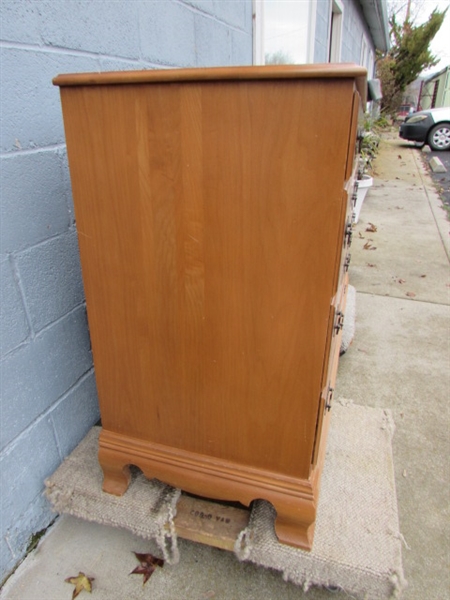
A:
{"x": 430, "y": 127}
{"x": 404, "y": 111}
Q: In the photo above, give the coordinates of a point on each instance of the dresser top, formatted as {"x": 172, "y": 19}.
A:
{"x": 266, "y": 72}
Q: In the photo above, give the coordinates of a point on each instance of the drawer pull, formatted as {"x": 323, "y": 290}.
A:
{"x": 347, "y": 262}
{"x": 339, "y": 323}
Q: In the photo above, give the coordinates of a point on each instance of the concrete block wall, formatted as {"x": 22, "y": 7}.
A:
{"x": 321, "y": 42}
{"x": 354, "y": 27}
{"x": 48, "y": 395}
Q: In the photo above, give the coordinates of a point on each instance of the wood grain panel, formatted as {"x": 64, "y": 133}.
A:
{"x": 208, "y": 237}
{"x": 211, "y": 209}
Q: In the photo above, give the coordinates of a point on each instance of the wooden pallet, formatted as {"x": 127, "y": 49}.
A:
{"x": 208, "y": 522}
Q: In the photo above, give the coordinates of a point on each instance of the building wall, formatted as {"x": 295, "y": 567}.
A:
{"x": 321, "y": 44}
{"x": 355, "y": 34}
{"x": 441, "y": 97}
{"x": 48, "y": 394}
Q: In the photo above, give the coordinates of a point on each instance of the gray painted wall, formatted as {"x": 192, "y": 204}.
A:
{"x": 354, "y": 27}
{"x": 48, "y": 395}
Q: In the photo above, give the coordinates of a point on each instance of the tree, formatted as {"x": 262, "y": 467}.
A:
{"x": 278, "y": 58}
{"x": 408, "y": 56}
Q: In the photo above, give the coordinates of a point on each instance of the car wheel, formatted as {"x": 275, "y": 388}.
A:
{"x": 439, "y": 137}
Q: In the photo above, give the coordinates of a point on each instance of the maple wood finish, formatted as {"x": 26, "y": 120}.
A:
{"x": 213, "y": 210}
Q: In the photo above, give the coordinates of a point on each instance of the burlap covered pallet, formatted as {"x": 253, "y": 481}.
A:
{"x": 357, "y": 545}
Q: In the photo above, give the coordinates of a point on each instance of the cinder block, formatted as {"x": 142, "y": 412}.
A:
{"x": 67, "y": 185}
{"x": 241, "y": 48}
{"x": 233, "y": 13}
{"x": 23, "y": 469}
{"x": 167, "y": 33}
{"x": 7, "y": 560}
{"x": 115, "y": 64}
{"x": 76, "y": 414}
{"x": 37, "y": 517}
{"x": 213, "y": 43}
{"x": 103, "y": 27}
{"x": 51, "y": 279}
{"x": 33, "y": 200}
{"x": 321, "y": 35}
{"x": 37, "y": 374}
{"x": 13, "y": 321}
{"x": 20, "y": 22}
{"x": 31, "y": 108}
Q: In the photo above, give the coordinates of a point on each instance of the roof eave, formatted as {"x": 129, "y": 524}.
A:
{"x": 375, "y": 13}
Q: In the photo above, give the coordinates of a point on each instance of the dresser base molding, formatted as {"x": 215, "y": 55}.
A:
{"x": 295, "y": 500}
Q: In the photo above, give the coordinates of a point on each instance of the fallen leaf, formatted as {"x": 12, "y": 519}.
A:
{"x": 360, "y": 235}
{"x": 367, "y": 245}
{"x": 423, "y": 275}
{"x": 371, "y": 265}
{"x": 411, "y": 294}
{"x": 401, "y": 281}
{"x": 399, "y": 155}
{"x": 371, "y": 227}
{"x": 147, "y": 566}
{"x": 81, "y": 582}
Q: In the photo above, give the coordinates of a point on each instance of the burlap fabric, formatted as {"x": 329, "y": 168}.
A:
{"x": 357, "y": 544}
{"x": 146, "y": 508}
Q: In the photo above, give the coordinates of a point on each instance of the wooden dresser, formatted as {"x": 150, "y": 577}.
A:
{"x": 213, "y": 210}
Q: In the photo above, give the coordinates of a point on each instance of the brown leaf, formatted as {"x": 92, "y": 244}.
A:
{"x": 147, "y": 566}
{"x": 371, "y": 265}
{"x": 401, "y": 280}
{"x": 367, "y": 245}
{"x": 423, "y": 275}
{"x": 371, "y": 227}
{"x": 360, "y": 235}
{"x": 399, "y": 155}
{"x": 81, "y": 582}
{"x": 411, "y": 294}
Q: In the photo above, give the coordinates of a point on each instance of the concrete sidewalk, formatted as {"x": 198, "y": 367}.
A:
{"x": 399, "y": 359}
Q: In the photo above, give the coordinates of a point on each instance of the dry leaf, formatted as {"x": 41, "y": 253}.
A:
{"x": 81, "y": 582}
{"x": 401, "y": 281}
{"x": 371, "y": 265}
{"x": 367, "y": 245}
{"x": 399, "y": 155}
{"x": 411, "y": 294}
{"x": 147, "y": 566}
{"x": 360, "y": 235}
{"x": 423, "y": 275}
{"x": 371, "y": 227}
